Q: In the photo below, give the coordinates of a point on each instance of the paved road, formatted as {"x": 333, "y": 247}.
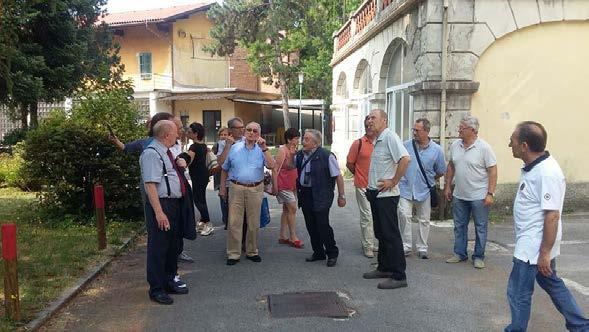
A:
{"x": 440, "y": 296}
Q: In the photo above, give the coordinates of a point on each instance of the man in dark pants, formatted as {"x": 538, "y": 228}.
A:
{"x": 318, "y": 172}
{"x": 164, "y": 190}
{"x": 388, "y": 163}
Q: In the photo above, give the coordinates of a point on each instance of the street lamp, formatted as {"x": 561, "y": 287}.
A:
{"x": 301, "y": 79}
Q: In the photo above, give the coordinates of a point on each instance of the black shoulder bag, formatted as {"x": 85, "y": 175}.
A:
{"x": 433, "y": 192}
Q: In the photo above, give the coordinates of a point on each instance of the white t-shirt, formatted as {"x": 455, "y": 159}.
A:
{"x": 471, "y": 177}
{"x": 541, "y": 188}
{"x": 388, "y": 150}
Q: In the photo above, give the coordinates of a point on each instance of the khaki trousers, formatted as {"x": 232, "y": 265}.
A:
{"x": 248, "y": 199}
{"x": 368, "y": 240}
{"x": 405, "y": 213}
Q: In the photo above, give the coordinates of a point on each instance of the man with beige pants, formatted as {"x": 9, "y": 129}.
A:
{"x": 358, "y": 162}
{"x": 244, "y": 167}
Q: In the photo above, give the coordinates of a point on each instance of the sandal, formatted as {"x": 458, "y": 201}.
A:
{"x": 297, "y": 244}
{"x": 283, "y": 241}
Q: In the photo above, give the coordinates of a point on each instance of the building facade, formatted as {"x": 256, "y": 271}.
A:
{"x": 503, "y": 61}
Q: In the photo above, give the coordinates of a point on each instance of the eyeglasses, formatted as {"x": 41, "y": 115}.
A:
{"x": 249, "y": 130}
{"x": 237, "y": 127}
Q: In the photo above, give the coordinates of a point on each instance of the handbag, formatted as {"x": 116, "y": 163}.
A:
{"x": 211, "y": 162}
{"x": 265, "y": 213}
{"x": 268, "y": 185}
{"x": 433, "y": 192}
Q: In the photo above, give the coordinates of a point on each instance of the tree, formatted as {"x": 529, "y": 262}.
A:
{"x": 56, "y": 49}
{"x": 270, "y": 30}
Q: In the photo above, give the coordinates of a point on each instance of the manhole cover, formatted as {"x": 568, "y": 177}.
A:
{"x": 307, "y": 304}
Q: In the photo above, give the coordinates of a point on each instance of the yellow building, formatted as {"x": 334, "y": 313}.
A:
{"x": 161, "y": 50}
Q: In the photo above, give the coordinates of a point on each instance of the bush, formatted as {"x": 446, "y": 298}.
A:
{"x": 14, "y": 136}
{"x": 67, "y": 155}
{"x": 11, "y": 170}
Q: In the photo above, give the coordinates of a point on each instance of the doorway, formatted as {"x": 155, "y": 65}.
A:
{"x": 212, "y": 123}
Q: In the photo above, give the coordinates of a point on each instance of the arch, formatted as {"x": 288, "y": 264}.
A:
{"x": 341, "y": 90}
{"x": 543, "y": 81}
{"x": 362, "y": 84}
{"x": 397, "y": 50}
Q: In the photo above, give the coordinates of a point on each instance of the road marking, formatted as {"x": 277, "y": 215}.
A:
{"x": 576, "y": 286}
{"x": 572, "y": 242}
{"x": 443, "y": 224}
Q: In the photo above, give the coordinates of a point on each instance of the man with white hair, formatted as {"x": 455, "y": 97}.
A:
{"x": 318, "y": 172}
{"x": 244, "y": 168}
{"x": 470, "y": 185}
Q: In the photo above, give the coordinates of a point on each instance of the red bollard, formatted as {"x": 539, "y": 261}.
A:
{"x": 11, "y": 297}
{"x": 100, "y": 222}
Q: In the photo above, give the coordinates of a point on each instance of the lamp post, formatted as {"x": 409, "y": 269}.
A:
{"x": 301, "y": 79}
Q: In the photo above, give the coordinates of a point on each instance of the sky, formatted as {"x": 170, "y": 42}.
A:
{"x": 115, "y": 6}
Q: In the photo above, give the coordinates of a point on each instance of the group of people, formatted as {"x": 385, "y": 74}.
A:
{"x": 391, "y": 178}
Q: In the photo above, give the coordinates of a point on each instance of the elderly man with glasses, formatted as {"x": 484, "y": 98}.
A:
{"x": 470, "y": 185}
{"x": 244, "y": 168}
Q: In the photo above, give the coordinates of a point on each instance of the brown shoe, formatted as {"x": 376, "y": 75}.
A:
{"x": 392, "y": 284}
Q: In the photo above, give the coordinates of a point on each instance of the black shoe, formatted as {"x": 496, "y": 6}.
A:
{"x": 376, "y": 274}
{"x": 331, "y": 261}
{"x": 161, "y": 298}
{"x": 313, "y": 258}
{"x": 255, "y": 258}
{"x": 174, "y": 289}
{"x": 232, "y": 261}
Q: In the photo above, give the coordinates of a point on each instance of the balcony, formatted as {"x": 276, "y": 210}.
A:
{"x": 150, "y": 82}
{"x": 371, "y": 16}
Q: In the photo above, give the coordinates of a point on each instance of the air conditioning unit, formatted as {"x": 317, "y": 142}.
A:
{"x": 145, "y": 76}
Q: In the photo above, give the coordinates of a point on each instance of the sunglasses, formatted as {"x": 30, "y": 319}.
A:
{"x": 249, "y": 130}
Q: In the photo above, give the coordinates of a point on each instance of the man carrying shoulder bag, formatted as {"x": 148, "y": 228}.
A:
{"x": 417, "y": 186}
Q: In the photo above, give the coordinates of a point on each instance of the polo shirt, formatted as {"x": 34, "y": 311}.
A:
{"x": 412, "y": 184}
{"x": 541, "y": 188}
{"x": 245, "y": 165}
{"x": 333, "y": 168}
{"x": 388, "y": 150}
{"x": 361, "y": 160}
{"x": 152, "y": 170}
{"x": 471, "y": 178}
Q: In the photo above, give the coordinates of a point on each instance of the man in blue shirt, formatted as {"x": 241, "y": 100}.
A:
{"x": 244, "y": 168}
{"x": 414, "y": 187}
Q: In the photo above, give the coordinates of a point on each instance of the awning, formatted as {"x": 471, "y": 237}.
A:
{"x": 219, "y": 93}
{"x": 307, "y": 104}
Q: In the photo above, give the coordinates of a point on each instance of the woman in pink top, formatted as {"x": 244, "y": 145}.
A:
{"x": 284, "y": 178}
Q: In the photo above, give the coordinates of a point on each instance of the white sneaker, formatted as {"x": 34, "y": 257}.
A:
{"x": 207, "y": 229}
{"x": 200, "y": 226}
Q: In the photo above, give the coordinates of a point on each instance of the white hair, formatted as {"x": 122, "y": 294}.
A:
{"x": 471, "y": 122}
{"x": 316, "y": 135}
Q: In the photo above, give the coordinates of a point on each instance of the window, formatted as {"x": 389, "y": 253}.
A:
{"x": 145, "y": 65}
{"x": 401, "y": 75}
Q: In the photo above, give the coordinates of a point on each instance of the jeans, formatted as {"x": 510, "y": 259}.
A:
{"x": 462, "y": 211}
{"x": 519, "y": 294}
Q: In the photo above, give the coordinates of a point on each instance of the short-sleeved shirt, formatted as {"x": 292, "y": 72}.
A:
{"x": 245, "y": 165}
{"x": 471, "y": 178}
{"x": 220, "y": 147}
{"x": 412, "y": 184}
{"x": 333, "y": 168}
{"x": 360, "y": 157}
{"x": 388, "y": 150}
{"x": 152, "y": 170}
{"x": 198, "y": 170}
{"x": 541, "y": 188}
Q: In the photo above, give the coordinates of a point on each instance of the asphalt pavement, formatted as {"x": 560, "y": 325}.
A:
{"x": 440, "y": 296}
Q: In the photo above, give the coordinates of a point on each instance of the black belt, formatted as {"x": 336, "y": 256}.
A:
{"x": 255, "y": 184}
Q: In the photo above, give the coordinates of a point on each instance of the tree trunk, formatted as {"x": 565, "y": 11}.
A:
{"x": 34, "y": 115}
{"x": 24, "y": 112}
{"x": 283, "y": 84}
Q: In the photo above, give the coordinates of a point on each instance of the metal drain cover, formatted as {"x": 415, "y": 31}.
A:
{"x": 307, "y": 304}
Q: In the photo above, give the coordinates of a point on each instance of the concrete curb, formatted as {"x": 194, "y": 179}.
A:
{"x": 71, "y": 292}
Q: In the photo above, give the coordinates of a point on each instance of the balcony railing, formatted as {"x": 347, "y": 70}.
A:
{"x": 366, "y": 13}
{"x": 143, "y": 82}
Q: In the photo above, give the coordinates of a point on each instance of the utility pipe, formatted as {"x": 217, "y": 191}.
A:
{"x": 445, "y": 36}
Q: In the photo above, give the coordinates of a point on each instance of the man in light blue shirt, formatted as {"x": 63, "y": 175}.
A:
{"x": 415, "y": 190}
{"x": 244, "y": 168}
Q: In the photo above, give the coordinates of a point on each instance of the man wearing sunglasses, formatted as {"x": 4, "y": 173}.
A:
{"x": 244, "y": 168}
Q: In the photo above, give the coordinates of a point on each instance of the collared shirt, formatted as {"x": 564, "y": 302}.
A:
{"x": 360, "y": 157}
{"x": 152, "y": 170}
{"x": 221, "y": 145}
{"x": 388, "y": 150}
{"x": 333, "y": 168}
{"x": 541, "y": 188}
{"x": 412, "y": 184}
{"x": 471, "y": 177}
{"x": 245, "y": 165}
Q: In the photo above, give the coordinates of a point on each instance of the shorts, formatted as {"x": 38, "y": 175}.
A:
{"x": 286, "y": 196}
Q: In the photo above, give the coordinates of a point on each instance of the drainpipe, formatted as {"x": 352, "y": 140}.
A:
{"x": 445, "y": 37}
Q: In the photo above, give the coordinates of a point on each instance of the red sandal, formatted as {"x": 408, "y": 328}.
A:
{"x": 297, "y": 244}
{"x": 284, "y": 241}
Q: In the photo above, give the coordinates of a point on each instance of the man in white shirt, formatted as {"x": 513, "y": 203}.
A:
{"x": 473, "y": 167}
{"x": 538, "y": 230}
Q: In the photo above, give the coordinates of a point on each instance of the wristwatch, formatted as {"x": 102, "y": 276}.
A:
{"x": 490, "y": 194}
{"x": 264, "y": 150}
{"x": 341, "y": 196}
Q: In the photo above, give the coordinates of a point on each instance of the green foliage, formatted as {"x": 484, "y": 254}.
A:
{"x": 11, "y": 170}
{"x": 67, "y": 155}
{"x": 14, "y": 136}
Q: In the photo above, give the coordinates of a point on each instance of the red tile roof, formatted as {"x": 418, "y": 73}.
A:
{"x": 154, "y": 15}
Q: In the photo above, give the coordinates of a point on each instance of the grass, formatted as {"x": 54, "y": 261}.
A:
{"x": 51, "y": 258}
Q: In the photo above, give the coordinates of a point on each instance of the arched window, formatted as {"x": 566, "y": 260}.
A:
{"x": 401, "y": 74}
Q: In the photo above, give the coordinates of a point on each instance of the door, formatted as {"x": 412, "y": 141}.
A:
{"x": 212, "y": 123}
